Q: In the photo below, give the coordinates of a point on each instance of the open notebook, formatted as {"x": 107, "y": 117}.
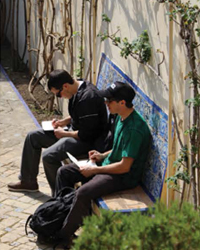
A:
{"x": 47, "y": 126}
{"x": 81, "y": 162}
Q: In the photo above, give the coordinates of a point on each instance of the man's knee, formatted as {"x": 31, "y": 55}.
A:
{"x": 33, "y": 138}
{"x": 60, "y": 171}
{"x": 31, "y": 135}
{"x": 46, "y": 156}
{"x": 83, "y": 193}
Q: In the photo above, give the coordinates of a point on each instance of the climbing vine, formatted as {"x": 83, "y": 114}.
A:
{"x": 139, "y": 49}
{"x": 41, "y": 16}
{"x": 186, "y": 16}
{"x": 49, "y": 42}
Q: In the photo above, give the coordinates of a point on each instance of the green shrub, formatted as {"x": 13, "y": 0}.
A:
{"x": 161, "y": 228}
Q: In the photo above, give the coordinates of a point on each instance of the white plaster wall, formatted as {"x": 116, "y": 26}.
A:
{"x": 141, "y": 15}
{"x": 132, "y": 16}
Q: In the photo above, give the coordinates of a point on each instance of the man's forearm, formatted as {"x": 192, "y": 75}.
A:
{"x": 67, "y": 120}
{"x": 71, "y": 133}
{"x": 105, "y": 154}
{"x": 120, "y": 167}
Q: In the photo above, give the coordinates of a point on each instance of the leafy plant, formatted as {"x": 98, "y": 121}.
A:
{"x": 78, "y": 71}
{"x": 189, "y": 15}
{"x": 181, "y": 170}
{"x": 160, "y": 228}
{"x": 139, "y": 48}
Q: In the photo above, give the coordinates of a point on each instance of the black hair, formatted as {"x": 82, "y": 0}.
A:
{"x": 129, "y": 105}
{"x": 58, "y": 77}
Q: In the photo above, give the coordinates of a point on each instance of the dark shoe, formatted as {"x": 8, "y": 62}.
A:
{"x": 22, "y": 186}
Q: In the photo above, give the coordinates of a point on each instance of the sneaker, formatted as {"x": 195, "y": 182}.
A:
{"x": 22, "y": 186}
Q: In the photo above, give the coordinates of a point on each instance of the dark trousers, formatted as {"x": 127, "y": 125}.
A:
{"x": 95, "y": 187}
{"x": 52, "y": 157}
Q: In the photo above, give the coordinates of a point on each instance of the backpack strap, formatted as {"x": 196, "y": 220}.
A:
{"x": 64, "y": 191}
{"x": 27, "y": 221}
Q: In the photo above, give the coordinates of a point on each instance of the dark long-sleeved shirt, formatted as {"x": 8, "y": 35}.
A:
{"x": 88, "y": 112}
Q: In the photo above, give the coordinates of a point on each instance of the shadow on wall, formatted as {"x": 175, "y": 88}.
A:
{"x": 135, "y": 18}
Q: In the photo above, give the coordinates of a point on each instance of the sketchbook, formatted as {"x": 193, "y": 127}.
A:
{"x": 47, "y": 126}
{"x": 81, "y": 162}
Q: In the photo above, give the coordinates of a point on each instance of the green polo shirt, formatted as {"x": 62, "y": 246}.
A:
{"x": 131, "y": 139}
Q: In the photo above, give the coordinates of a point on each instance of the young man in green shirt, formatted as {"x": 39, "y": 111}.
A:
{"x": 121, "y": 168}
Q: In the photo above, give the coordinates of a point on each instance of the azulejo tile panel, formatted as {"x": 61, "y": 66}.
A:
{"x": 157, "y": 120}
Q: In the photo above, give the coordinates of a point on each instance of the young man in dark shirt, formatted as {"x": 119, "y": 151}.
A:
{"x": 87, "y": 120}
{"x": 121, "y": 168}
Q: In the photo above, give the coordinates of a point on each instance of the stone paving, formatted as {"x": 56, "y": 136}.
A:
{"x": 15, "y": 122}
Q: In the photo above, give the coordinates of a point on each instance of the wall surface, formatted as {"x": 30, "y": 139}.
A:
{"x": 132, "y": 17}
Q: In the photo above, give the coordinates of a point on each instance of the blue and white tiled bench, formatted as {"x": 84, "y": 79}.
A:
{"x": 143, "y": 196}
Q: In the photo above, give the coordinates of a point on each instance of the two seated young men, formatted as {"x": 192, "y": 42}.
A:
{"x": 117, "y": 169}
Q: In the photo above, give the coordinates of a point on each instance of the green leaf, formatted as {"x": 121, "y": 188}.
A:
{"x": 198, "y": 32}
{"x": 105, "y": 18}
{"x": 75, "y": 33}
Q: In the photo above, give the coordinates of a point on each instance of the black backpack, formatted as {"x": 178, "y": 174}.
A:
{"x": 48, "y": 218}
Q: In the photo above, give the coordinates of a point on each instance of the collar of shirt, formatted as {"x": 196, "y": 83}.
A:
{"x": 80, "y": 83}
{"x": 74, "y": 96}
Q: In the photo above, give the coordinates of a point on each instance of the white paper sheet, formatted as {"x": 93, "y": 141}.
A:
{"x": 81, "y": 162}
{"x": 47, "y": 126}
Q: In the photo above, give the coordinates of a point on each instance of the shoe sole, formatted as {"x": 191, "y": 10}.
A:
{"x": 23, "y": 190}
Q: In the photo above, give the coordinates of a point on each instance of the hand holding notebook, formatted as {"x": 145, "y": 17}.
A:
{"x": 81, "y": 162}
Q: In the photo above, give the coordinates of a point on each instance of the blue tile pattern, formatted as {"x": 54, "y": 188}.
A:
{"x": 157, "y": 120}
